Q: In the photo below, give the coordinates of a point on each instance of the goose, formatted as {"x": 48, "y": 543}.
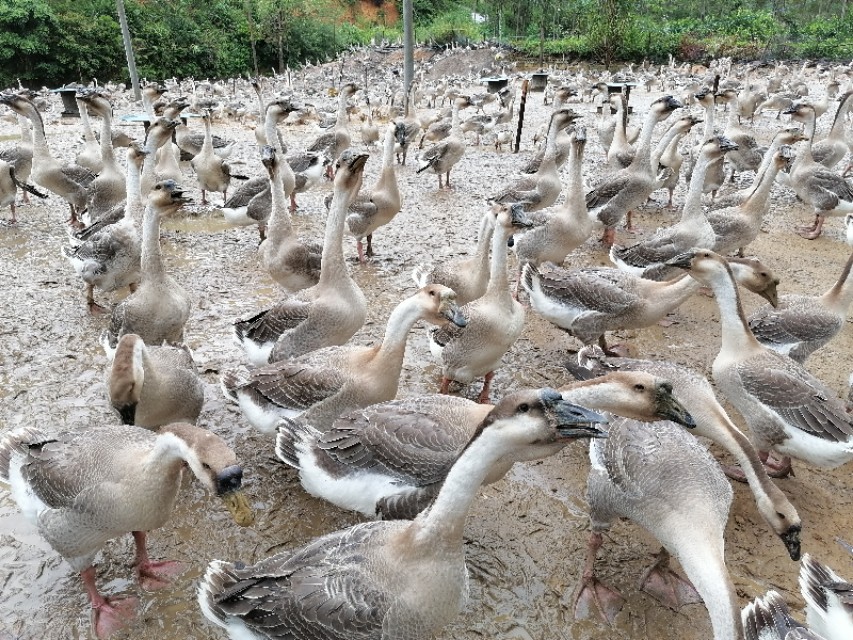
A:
{"x": 191, "y": 142}
{"x": 618, "y": 194}
{"x": 589, "y": 302}
{"x": 159, "y": 134}
{"x": 327, "y": 382}
{"x": 212, "y": 172}
{"x": 441, "y": 157}
{"x": 542, "y": 189}
{"x": 369, "y": 131}
{"x": 405, "y": 132}
{"x": 468, "y": 277}
{"x": 826, "y": 191}
{"x": 109, "y": 189}
{"x": 561, "y": 143}
{"x": 332, "y": 144}
{"x": 715, "y": 176}
{"x": 829, "y": 600}
{"x": 559, "y": 231}
{"x": 768, "y": 618}
{"x": 788, "y": 410}
{"x": 293, "y": 263}
{"x": 109, "y": 256}
{"x": 695, "y": 393}
{"x": 326, "y": 314}
{"x": 153, "y": 386}
{"x": 802, "y": 324}
{"x": 395, "y": 579}
{"x": 646, "y": 259}
{"x": 82, "y": 489}
{"x": 667, "y": 155}
{"x": 378, "y": 206}
{"x": 69, "y": 181}
{"x": 308, "y": 169}
{"x": 634, "y": 474}
{"x": 748, "y": 155}
{"x": 159, "y": 308}
{"x": 832, "y": 149}
{"x": 20, "y": 157}
{"x": 390, "y": 459}
{"x": 620, "y": 153}
{"x": 494, "y": 321}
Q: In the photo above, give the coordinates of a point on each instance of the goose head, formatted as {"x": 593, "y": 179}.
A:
{"x": 282, "y": 107}
{"x": 167, "y": 197}
{"x": 662, "y": 107}
{"x": 18, "y": 104}
{"x": 136, "y": 154}
{"x": 438, "y": 305}
{"x": 159, "y": 133}
{"x": 127, "y": 376}
{"x": 562, "y": 118}
{"x": 717, "y": 146}
{"x": 96, "y": 102}
{"x": 173, "y": 109}
{"x": 708, "y": 267}
{"x": 800, "y": 112}
{"x": 511, "y": 216}
{"x": 215, "y": 465}
{"x": 634, "y": 394}
{"x": 269, "y": 160}
{"x": 686, "y": 123}
{"x": 349, "y": 171}
{"x": 790, "y": 135}
{"x": 578, "y": 137}
{"x": 533, "y": 423}
{"x": 704, "y": 98}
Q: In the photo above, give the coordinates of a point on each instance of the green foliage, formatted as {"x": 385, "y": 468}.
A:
{"x": 454, "y": 25}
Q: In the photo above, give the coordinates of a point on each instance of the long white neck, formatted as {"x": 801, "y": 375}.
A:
{"x": 455, "y": 123}
{"x": 549, "y": 160}
{"x": 279, "y": 225}
{"x": 665, "y": 296}
{"x": 271, "y": 131}
{"x": 767, "y": 158}
{"x": 840, "y": 295}
{"x": 332, "y": 265}
{"x": 88, "y": 134}
{"x": 444, "y": 521}
{"x": 498, "y": 287}
{"x": 26, "y": 130}
{"x": 39, "y": 140}
{"x": 341, "y": 122}
{"x": 262, "y": 134}
{"x": 207, "y": 145}
{"x": 133, "y": 204}
{"x": 642, "y": 161}
{"x": 664, "y": 144}
{"x": 757, "y": 201}
{"x": 388, "y": 176}
{"x": 709, "y": 120}
{"x": 152, "y": 260}
{"x": 703, "y": 560}
{"x": 155, "y": 140}
{"x": 400, "y": 323}
{"x": 837, "y": 130}
{"x": 736, "y": 336}
{"x": 805, "y": 157}
{"x": 692, "y": 210}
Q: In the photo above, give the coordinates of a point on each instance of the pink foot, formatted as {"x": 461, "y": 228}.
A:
{"x": 596, "y": 599}
{"x": 667, "y": 587}
{"x": 158, "y": 575}
{"x": 113, "y": 614}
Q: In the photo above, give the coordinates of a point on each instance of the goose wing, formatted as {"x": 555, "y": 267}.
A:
{"x": 797, "y": 397}
{"x": 806, "y": 321}
{"x": 268, "y": 325}
{"x": 323, "y": 591}
{"x": 416, "y": 440}
{"x": 603, "y": 290}
{"x": 296, "y": 384}
{"x": 606, "y": 191}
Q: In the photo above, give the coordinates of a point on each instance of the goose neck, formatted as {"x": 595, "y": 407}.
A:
{"x": 107, "y": 154}
{"x": 662, "y": 146}
{"x": 271, "y": 131}
{"x": 332, "y": 265}
{"x": 39, "y": 139}
{"x": 709, "y": 121}
{"x": 840, "y": 295}
{"x": 498, "y": 280}
{"x": 665, "y": 296}
{"x": 693, "y": 202}
{"x": 761, "y": 191}
{"x": 444, "y": 521}
{"x": 207, "y": 145}
{"x": 84, "y": 121}
{"x": 644, "y": 146}
{"x": 767, "y": 158}
{"x": 837, "y": 130}
{"x": 342, "y": 111}
{"x": 133, "y": 204}
{"x": 737, "y": 339}
{"x": 151, "y": 259}
{"x": 393, "y": 348}
{"x": 279, "y": 225}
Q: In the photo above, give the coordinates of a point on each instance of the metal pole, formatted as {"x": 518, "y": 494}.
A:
{"x": 521, "y": 114}
{"x": 128, "y": 50}
{"x": 408, "y": 45}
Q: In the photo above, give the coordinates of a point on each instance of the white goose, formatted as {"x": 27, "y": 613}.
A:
{"x": 788, "y": 410}
{"x": 398, "y": 579}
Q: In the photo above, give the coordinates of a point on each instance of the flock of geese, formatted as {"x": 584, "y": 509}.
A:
{"x": 413, "y": 465}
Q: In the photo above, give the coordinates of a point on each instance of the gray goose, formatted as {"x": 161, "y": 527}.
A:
{"x": 109, "y": 189}
{"x": 326, "y": 314}
{"x": 768, "y": 617}
{"x": 159, "y": 308}
{"x": 350, "y": 583}
{"x": 69, "y": 181}
{"x": 441, "y": 157}
{"x": 390, "y": 459}
{"x": 788, "y": 410}
{"x": 663, "y": 479}
{"x": 82, "y": 489}
{"x": 616, "y": 195}
{"x": 332, "y": 144}
{"x": 802, "y": 324}
{"x": 20, "y": 156}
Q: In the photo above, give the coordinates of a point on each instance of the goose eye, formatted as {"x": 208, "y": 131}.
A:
{"x": 640, "y": 387}
{"x": 205, "y": 466}
{"x": 432, "y": 293}
{"x": 523, "y": 408}
{"x": 780, "y": 515}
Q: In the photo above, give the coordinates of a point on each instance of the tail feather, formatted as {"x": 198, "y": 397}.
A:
{"x": 217, "y": 579}
{"x": 290, "y": 432}
{"x": 19, "y": 441}
{"x": 421, "y": 274}
{"x": 768, "y": 615}
{"x": 528, "y": 273}
{"x": 23, "y": 185}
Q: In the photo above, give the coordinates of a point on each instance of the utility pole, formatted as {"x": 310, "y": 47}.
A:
{"x": 128, "y": 50}
{"x": 408, "y": 46}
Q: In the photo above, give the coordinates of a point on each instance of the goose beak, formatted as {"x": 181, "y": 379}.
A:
{"x": 357, "y": 162}
{"x": 572, "y": 420}
{"x": 668, "y": 408}
{"x": 580, "y": 134}
{"x": 770, "y": 294}
{"x": 453, "y": 313}
{"x": 228, "y": 487}
{"x": 682, "y": 261}
{"x": 267, "y": 155}
{"x": 672, "y": 104}
{"x": 127, "y": 413}
{"x": 791, "y": 538}
{"x": 727, "y": 145}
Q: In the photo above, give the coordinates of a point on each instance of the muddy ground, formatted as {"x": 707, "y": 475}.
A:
{"x": 526, "y": 534}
